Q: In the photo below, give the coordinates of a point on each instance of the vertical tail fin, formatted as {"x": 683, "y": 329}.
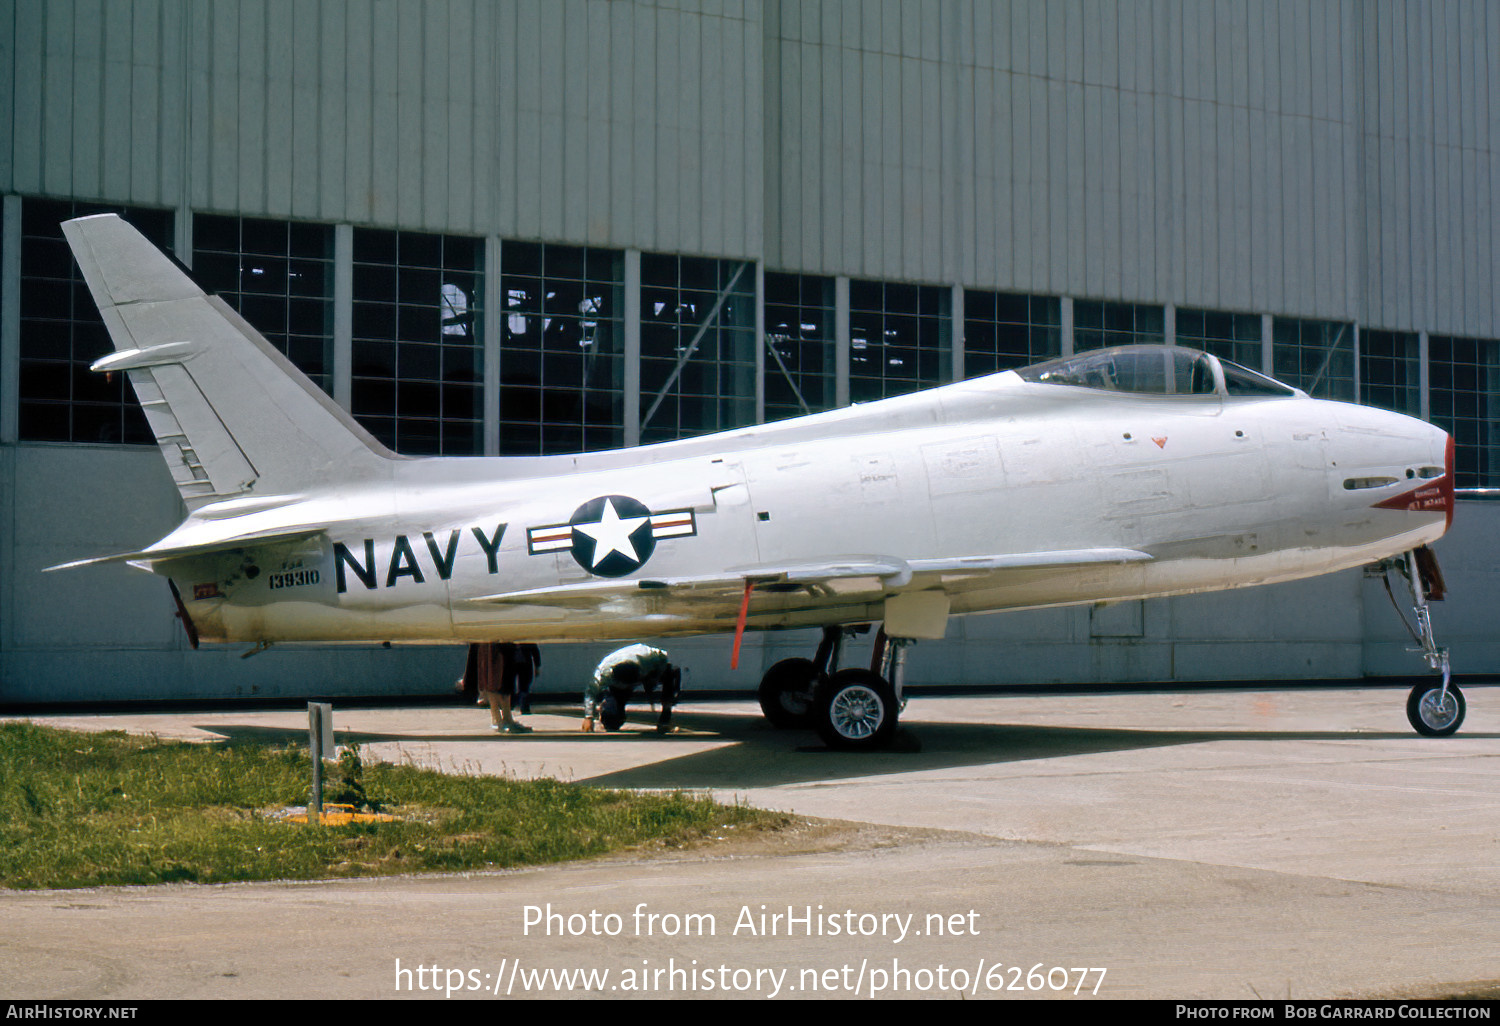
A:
{"x": 233, "y": 417}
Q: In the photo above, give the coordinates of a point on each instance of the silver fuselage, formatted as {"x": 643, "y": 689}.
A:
{"x": 1219, "y": 491}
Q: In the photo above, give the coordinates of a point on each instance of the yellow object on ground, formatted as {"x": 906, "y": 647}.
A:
{"x": 343, "y": 815}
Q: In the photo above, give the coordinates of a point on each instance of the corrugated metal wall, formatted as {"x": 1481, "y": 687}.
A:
{"x": 616, "y": 124}
{"x": 1328, "y": 159}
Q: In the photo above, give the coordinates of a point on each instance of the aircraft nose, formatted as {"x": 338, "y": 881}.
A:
{"x": 1433, "y": 486}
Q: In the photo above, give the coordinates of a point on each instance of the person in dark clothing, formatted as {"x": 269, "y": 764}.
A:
{"x": 491, "y": 671}
{"x": 528, "y": 664}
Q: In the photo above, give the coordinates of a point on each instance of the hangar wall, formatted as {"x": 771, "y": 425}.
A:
{"x": 1306, "y": 159}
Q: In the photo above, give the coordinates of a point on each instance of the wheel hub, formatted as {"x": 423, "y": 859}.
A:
{"x": 1438, "y": 711}
{"x": 857, "y": 712}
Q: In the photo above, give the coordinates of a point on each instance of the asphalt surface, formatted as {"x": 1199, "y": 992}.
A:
{"x": 1209, "y": 844}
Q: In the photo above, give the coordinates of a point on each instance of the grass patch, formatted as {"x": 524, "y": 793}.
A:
{"x": 83, "y": 810}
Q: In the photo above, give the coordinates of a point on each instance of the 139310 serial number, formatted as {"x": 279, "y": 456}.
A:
{"x": 292, "y": 579}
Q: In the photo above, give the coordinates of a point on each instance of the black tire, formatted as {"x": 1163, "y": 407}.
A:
{"x": 611, "y": 712}
{"x": 786, "y": 694}
{"x": 855, "y": 711}
{"x": 1428, "y": 717}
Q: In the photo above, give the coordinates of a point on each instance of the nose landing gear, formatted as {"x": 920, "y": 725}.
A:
{"x": 1434, "y": 709}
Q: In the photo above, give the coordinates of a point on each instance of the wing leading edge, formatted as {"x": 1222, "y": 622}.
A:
{"x": 846, "y": 574}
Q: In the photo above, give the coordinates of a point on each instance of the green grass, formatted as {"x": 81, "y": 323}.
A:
{"x": 82, "y": 810}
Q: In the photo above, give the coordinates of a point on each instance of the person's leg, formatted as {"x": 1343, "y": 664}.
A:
{"x": 506, "y": 681}
{"x": 671, "y": 687}
{"x": 523, "y": 686}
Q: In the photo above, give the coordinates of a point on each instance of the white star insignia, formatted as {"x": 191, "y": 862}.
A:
{"x": 612, "y": 534}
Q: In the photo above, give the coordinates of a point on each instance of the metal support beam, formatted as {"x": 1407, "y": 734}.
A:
{"x": 10, "y": 319}
{"x": 841, "y": 341}
{"x": 760, "y": 350}
{"x": 956, "y": 313}
{"x": 182, "y": 235}
{"x": 491, "y": 319}
{"x": 1066, "y": 309}
{"x": 1424, "y": 375}
{"x": 1357, "y": 383}
{"x": 632, "y": 355}
{"x": 343, "y": 315}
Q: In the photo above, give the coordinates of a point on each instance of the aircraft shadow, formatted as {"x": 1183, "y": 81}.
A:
{"x": 765, "y": 757}
{"x": 760, "y": 756}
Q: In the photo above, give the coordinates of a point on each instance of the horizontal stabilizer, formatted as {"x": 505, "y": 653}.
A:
{"x": 158, "y": 553}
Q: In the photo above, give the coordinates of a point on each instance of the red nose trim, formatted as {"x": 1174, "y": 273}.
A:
{"x": 1430, "y": 496}
{"x": 1448, "y": 482}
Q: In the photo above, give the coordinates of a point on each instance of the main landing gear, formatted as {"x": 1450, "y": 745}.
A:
{"x": 1434, "y": 708}
{"x": 852, "y": 709}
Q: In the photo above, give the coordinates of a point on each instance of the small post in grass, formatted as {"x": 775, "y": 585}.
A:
{"x": 320, "y": 745}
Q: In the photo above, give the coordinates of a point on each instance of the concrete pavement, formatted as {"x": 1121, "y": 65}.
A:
{"x": 1215, "y": 843}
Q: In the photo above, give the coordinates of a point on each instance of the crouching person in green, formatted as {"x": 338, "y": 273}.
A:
{"x": 616, "y": 679}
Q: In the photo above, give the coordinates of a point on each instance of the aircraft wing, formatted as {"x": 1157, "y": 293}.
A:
{"x": 841, "y": 575}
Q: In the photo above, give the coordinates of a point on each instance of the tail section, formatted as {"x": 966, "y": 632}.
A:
{"x": 233, "y": 417}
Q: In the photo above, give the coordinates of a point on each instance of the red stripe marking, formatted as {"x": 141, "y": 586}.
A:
{"x": 739, "y": 627}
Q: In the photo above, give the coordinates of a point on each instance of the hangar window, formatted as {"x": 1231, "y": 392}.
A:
{"x": 1229, "y": 336}
{"x": 697, "y": 346}
{"x": 1465, "y": 397}
{"x": 1097, "y": 324}
{"x": 1389, "y": 375}
{"x": 1004, "y": 330}
{"x": 418, "y": 379}
{"x": 800, "y": 375}
{"x": 1315, "y": 356}
{"x": 899, "y": 338}
{"x": 279, "y": 276}
{"x": 61, "y": 400}
{"x": 562, "y": 382}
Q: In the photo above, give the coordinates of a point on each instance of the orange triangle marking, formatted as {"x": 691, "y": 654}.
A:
{"x": 1161, "y": 443}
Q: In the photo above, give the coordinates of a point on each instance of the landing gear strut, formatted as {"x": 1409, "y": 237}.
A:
{"x": 852, "y": 709}
{"x": 788, "y": 690}
{"x": 1434, "y": 709}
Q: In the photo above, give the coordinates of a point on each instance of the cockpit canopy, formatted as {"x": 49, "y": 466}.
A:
{"x": 1154, "y": 370}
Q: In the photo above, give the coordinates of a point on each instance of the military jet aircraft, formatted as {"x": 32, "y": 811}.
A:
{"x": 1115, "y": 474}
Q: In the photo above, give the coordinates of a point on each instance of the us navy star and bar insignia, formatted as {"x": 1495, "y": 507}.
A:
{"x": 612, "y": 535}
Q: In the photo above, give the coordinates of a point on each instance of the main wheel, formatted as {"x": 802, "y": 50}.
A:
{"x": 786, "y": 693}
{"x": 1433, "y": 715}
{"x": 855, "y": 710}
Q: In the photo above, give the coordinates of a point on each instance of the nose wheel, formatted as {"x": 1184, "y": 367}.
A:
{"x": 1435, "y": 709}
